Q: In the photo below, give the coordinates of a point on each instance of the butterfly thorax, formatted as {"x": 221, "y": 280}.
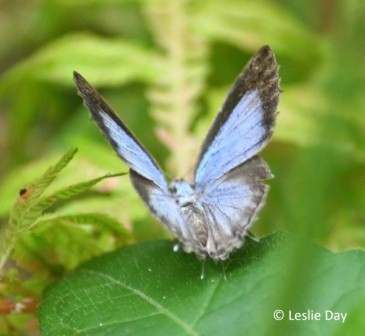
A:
{"x": 183, "y": 192}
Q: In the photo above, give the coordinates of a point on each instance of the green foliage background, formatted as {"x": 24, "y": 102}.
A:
{"x": 165, "y": 66}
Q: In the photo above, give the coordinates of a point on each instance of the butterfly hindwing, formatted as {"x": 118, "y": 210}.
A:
{"x": 121, "y": 138}
{"x": 245, "y": 122}
{"x": 232, "y": 202}
{"x": 162, "y": 205}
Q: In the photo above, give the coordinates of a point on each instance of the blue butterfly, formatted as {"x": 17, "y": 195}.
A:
{"x": 210, "y": 216}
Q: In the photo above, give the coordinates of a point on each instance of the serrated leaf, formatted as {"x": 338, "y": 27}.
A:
{"x": 60, "y": 243}
{"x": 84, "y": 218}
{"x": 21, "y": 213}
{"x": 29, "y": 207}
{"x": 148, "y": 289}
{"x": 70, "y": 191}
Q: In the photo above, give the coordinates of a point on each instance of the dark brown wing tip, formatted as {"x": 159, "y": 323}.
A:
{"x": 78, "y": 78}
{"x": 90, "y": 96}
{"x": 96, "y": 105}
{"x": 266, "y": 66}
{"x": 76, "y": 75}
{"x": 81, "y": 84}
{"x": 263, "y": 71}
{"x": 260, "y": 73}
{"x": 265, "y": 50}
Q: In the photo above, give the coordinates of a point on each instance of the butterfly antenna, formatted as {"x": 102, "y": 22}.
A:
{"x": 250, "y": 235}
{"x": 188, "y": 175}
{"x": 224, "y": 271}
{"x": 203, "y": 270}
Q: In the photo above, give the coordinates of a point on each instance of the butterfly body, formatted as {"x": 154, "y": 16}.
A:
{"x": 192, "y": 212}
{"x": 210, "y": 215}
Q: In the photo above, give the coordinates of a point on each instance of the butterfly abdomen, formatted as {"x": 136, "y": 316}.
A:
{"x": 196, "y": 226}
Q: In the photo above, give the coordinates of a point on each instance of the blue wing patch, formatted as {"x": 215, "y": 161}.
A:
{"x": 246, "y": 121}
{"x": 236, "y": 141}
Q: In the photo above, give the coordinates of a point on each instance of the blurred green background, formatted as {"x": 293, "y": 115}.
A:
{"x": 166, "y": 66}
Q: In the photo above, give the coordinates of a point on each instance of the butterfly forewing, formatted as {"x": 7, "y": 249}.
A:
{"x": 121, "y": 138}
{"x": 246, "y": 120}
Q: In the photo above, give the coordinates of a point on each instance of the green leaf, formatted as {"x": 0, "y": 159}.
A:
{"x": 148, "y": 289}
{"x": 70, "y": 191}
{"x": 84, "y": 218}
{"x": 100, "y": 3}
{"x": 29, "y": 207}
{"x": 24, "y": 211}
{"x": 107, "y": 61}
{"x": 250, "y": 24}
{"x": 85, "y": 236}
{"x": 22, "y": 214}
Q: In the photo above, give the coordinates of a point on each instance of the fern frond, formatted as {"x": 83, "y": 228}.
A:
{"x": 29, "y": 206}
{"x": 69, "y": 192}
{"x": 174, "y": 95}
{"x": 85, "y": 218}
{"x": 21, "y": 214}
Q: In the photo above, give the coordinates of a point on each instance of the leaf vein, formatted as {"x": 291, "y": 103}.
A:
{"x": 187, "y": 328}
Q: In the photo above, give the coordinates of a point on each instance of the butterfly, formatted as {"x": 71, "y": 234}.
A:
{"x": 212, "y": 214}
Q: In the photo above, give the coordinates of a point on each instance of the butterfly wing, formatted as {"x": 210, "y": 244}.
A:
{"x": 229, "y": 175}
{"x": 121, "y": 138}
{"x": 245, "y": 123}
{"x": 145, "y": 174}
{"x": 231, "y": 204}
{"x": 165, "y": 208}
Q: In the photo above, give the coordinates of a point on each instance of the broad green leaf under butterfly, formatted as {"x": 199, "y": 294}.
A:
{"x": 148, "y": 289}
